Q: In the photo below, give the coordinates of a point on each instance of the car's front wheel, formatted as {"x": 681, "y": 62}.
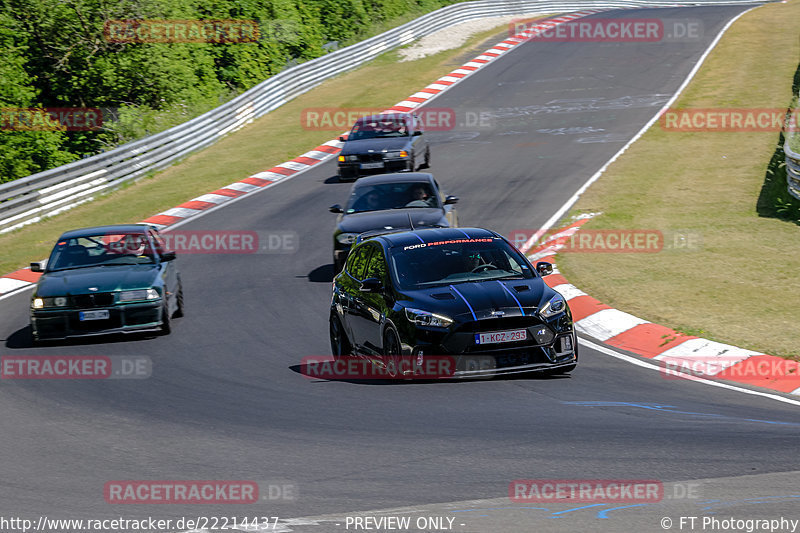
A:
{"x": 392, "y": 354}
{"x": 179, "y": 310}
{"x": 166, "y": 325}
{"x": 340, "y": 346}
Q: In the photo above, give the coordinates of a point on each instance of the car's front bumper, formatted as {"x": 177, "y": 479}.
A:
{"x": 53, "y": 324}
{"x": 554, "y": 351}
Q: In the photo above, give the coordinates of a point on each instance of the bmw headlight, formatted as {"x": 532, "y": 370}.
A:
{"x": 42, "y": 303}
{"x": 425, "y": 318}
{"x": 60, "y": 301}
{"x": 343, "y": 158}
{"x": 347, "y": 238}
{"x": 553, "y": 307}
{"x": 397, "y": 154}
{"x": 37, "y": 303}
{"x": 141, "y": 294}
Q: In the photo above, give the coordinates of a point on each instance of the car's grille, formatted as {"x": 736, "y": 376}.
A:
{"x": 88, "y": 301}
{"x": 370, "y": 158}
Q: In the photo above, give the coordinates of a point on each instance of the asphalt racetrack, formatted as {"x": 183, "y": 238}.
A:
{"x": 226, "y": 402}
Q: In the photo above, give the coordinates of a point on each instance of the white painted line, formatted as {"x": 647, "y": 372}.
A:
{"x": 11, "y": 284}
{"x": 212, "y": 199}
{"x": 646, "y": 364}
{"x": 183, "y": 212}
{"x": 272, "y": 176}
{"x": 708, "y": 357}
{"x": 607, "y": 323}
{"x": 244, "y": 187}
{"x": 313, "y": 154}
{"x": 568, "y": 291}
{"x": 293, "y": 165}
{"x": 569, "y": 203}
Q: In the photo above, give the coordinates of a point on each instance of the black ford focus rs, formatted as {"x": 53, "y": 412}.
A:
{"x": 463, "y": 293}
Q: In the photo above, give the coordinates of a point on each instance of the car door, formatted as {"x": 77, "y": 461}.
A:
{"x": 350, "y": 294}
{"x": 375, "y": 305}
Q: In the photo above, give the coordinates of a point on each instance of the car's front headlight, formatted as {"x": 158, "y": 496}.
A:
{"x": 140, "y": 294}
{"x": 347, "y": 238}
{"x": 397, "y": 154}
{"x": 426, "y": 318}
{"x": 343, "y": 158}
{"x": 553, "y": 307}
{"x": 42, "y": 303}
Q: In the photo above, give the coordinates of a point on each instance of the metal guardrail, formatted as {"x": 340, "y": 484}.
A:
{"x": 792, "y": 170}
{"x": 27, "y": 200}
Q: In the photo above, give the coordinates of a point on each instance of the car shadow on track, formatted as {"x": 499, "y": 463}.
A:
{"x": 321, "y": 274}
{"x": 305, "y": 371}
{"x": 23, "y": 339}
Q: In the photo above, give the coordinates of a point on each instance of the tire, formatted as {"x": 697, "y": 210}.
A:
{"x": 392, "y": 354}
{"x": 338, "y": 265}
{"x": 340, "y": 346}
{"x": 166, "y": 325}
{"x": 179, "y": 311}
{"x": 427, "y": 163}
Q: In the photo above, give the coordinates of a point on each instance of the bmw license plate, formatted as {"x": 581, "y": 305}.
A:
{"x": 101, "y": 314}
{"x": 372, "y": 165}
{"x": 495, "y": 337}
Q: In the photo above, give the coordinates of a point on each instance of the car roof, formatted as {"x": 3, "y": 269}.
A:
{"x": 383, "y": 116}
{"x": 111, "y": 229}
{"x": 399, "y": 177}
{"x": 429, "y": 235}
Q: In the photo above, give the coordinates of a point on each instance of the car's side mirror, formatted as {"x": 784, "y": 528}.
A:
{"x": 371, "y": 285}
{"x": 168, "y": 256}
{"x": 342, "y": 139}
{"x": 544, "y": 268}
{"x": 36, "y": 267}
{"x": 336, "y": 208}
{"x": 449, "y": 200}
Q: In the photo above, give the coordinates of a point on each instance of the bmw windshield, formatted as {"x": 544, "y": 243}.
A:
{"x": 424, "y": 265}
{"x": 101, "y": 250}
{"x": 395, "y": 195}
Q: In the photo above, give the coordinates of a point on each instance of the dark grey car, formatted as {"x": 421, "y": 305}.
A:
{"x": 384, "y": 143}
{"x": 390, "y": 201}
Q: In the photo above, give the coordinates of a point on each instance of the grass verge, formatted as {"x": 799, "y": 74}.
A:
{"x": 270, "y": 140}
{"x": 740, "y": 285}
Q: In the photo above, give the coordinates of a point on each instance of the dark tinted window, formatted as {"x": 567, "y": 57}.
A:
{"x": 396, "y": 195}
{"x": 456, "y": 261}
{"x": 385, "y": 126}
{"x": 377, "y": 267}
{"x": 102, "y": 249}
{"x": 357, "y": 261}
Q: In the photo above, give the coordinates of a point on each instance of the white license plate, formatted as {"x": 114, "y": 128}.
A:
{"x": 101, "y": 314}
{"x": 371, "y": 165}
{"x": 495, "y": 337}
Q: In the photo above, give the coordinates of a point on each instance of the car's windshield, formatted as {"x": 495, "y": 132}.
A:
{"x": 396, "y": 195}
{"x": 456, "y": 261}
{"x": 371, "y": 129}
{"x": 101, "y": 250}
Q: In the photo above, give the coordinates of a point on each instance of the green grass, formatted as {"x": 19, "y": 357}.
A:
{"x": 740, "y": 287}
{"x": 268, "y": 141}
